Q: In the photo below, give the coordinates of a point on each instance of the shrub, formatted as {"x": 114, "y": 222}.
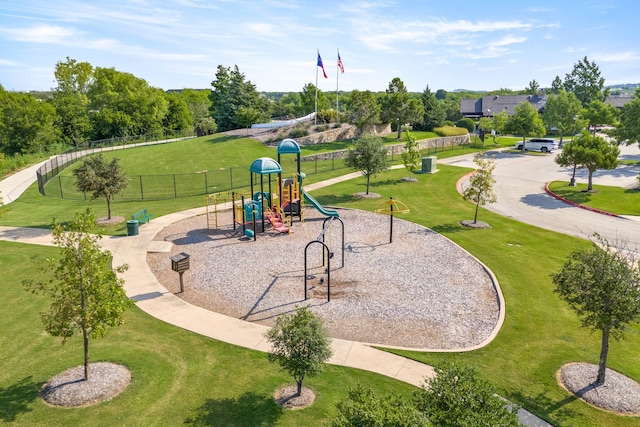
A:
{"x": 448, "y": 123}
{"x": 466, "y": 123}
{"x": 450, "y": 131}
{"x": 322, "y": 128}
{"x": 298, "y": 132}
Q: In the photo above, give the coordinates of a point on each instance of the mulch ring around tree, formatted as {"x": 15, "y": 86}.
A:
{"x": 286, "y": 397}
{"x": 619, "y": 394}
{"x": 367, "y": 195}
{"x": 470, "y": 224}
{"x": 113, "y": 220}
{"x": 69, "y": 389}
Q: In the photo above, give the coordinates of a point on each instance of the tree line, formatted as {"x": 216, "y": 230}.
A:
{"x": 93, "y": 103}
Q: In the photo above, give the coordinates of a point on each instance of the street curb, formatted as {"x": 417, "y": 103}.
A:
{"x": 577, "y": 205}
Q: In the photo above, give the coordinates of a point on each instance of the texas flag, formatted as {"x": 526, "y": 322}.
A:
{"x": 321, "y": 66}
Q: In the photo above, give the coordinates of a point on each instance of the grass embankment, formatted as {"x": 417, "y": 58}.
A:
{"x": 540, "y": 333}
{"x": 178, "y": 377}
{"x": 183, "y": 377}
{"x": 618, "y": 200}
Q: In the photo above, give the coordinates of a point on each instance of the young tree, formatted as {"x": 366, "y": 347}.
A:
{"x": 556, "y": 86}
{"x": 562, "y": 112}
{"x": 86, "y": 295}
{"x": 399, "y": 108}
{"x": 602, "y": 284}
{"x": 363, "y": 408}
{"x": 362, "y": 109}
{"x": 456, "y": 397}
{"x": 525, "y": 121}
{"x": 246, "y": 116}
{"x": 101, "y": 178}
{"x": 480, "y": 190}
{"x": 300, "y": 344}
{"x": 368, "y": 155}
{"x": 570, "y": 157}
{"x": 593, "y": 153}
{"x": 411, "y": 155}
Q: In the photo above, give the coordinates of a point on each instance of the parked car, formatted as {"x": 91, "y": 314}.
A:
{"x": 545, "y": 145}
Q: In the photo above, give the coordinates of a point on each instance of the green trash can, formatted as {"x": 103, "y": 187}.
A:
{"x": 132, "y": 227}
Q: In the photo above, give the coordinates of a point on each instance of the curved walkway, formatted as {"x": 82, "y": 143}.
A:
{"x": 153, "y": 298}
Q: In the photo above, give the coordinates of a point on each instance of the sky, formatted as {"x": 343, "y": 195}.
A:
{"x": 443, "y": 44}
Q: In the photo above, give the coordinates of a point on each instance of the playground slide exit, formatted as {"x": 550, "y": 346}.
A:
{"x": 319, "y": 207}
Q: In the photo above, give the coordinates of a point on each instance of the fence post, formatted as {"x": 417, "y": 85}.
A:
{"x": 231, "y": 178}
{"x": 206, "y": 183}
{"x": 141, "y": 189}
{"x": 175, "y": 191}
{"x": 60, "y": 186}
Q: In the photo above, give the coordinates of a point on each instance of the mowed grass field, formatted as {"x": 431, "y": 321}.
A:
{"x": 181, "y": 377}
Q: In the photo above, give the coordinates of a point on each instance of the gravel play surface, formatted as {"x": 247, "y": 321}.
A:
{"x": 420, "y": 291}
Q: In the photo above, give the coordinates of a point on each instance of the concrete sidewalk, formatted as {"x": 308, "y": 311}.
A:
{"x": 142, "y": 286}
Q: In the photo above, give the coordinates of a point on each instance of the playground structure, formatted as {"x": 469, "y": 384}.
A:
{"x": 264, "y": 205}
{"x": 392, "y": 207}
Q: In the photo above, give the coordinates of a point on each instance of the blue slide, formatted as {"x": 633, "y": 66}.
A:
{"x": 319, "y": 207}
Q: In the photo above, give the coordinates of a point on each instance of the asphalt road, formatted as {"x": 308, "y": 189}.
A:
{"x": 520, "y": 183}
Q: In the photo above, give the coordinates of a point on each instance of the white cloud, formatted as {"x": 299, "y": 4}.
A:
{"x": 617, "y": 57}
{"x": 43, "y": 34}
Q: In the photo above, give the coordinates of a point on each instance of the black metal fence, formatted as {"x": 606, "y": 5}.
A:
{"x": 169, "y": 186}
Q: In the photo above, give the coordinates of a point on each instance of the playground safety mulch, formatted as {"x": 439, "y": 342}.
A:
{"x": 421, "y": 291}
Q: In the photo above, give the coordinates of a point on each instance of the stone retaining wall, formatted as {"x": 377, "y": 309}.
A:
{"x": 396, "y": 149}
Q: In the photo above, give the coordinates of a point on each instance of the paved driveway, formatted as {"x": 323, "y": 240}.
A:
{"x": 520, "y": 182}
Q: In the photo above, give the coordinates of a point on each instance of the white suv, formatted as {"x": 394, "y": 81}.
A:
{"x": 539, "y": 144}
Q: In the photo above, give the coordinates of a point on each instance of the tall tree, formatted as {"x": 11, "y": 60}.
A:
{"x": 101, "y": 178}
{"x": 26, "y": 123}
{"x": 457, "y": 397}
{"x": 556, "y": 86}
{"x": 71, "y": 101}
{"x": 308, "y": 99}
{"x": 441, "y": 94}
{"x": 368, "y": 155}
{"x": 593, "y": 153}
{"x": 399, "y": 108}
{"x": 562, "y": 113}
{"x": 481, "y": 182}
{"x": 411, "y": 155}
{"x": 362, "y": 109}
{"x": 628, "y": 130}
{"x": 86, "y": 295}
{"x": 124, "y": 105}
{"x": 197, "y": 101}
{"x": 602, "y": 284}
{"x": 533, "y": 88}
{"x": 526, "y": 121}
{"x": 434, "y": 114}
{"x": 597, "y": 113}
{"x": 585, "y": 81}
{"x": 179, "y": 117}
{"x": 300, "y": 344}
{"x": 230, "y": 91}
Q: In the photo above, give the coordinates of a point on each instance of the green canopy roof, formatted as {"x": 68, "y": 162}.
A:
{"x": 288, "y": 146}
{"x": 265, "y": 166}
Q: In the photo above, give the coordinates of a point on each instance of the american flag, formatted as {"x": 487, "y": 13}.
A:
{"x": 340, "y": 65}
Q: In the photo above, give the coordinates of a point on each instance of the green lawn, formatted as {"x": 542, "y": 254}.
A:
{"x": 185, "y": 378}
{"x": 618, "y": 200}
{"x": 178, "y": 377}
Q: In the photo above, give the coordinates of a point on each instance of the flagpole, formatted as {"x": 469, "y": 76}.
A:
{"x": 315, "y": 117}
{"x": 337, "y": 78}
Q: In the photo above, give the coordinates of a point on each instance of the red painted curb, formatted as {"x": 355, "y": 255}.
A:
{"x": 569, "y": 202}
